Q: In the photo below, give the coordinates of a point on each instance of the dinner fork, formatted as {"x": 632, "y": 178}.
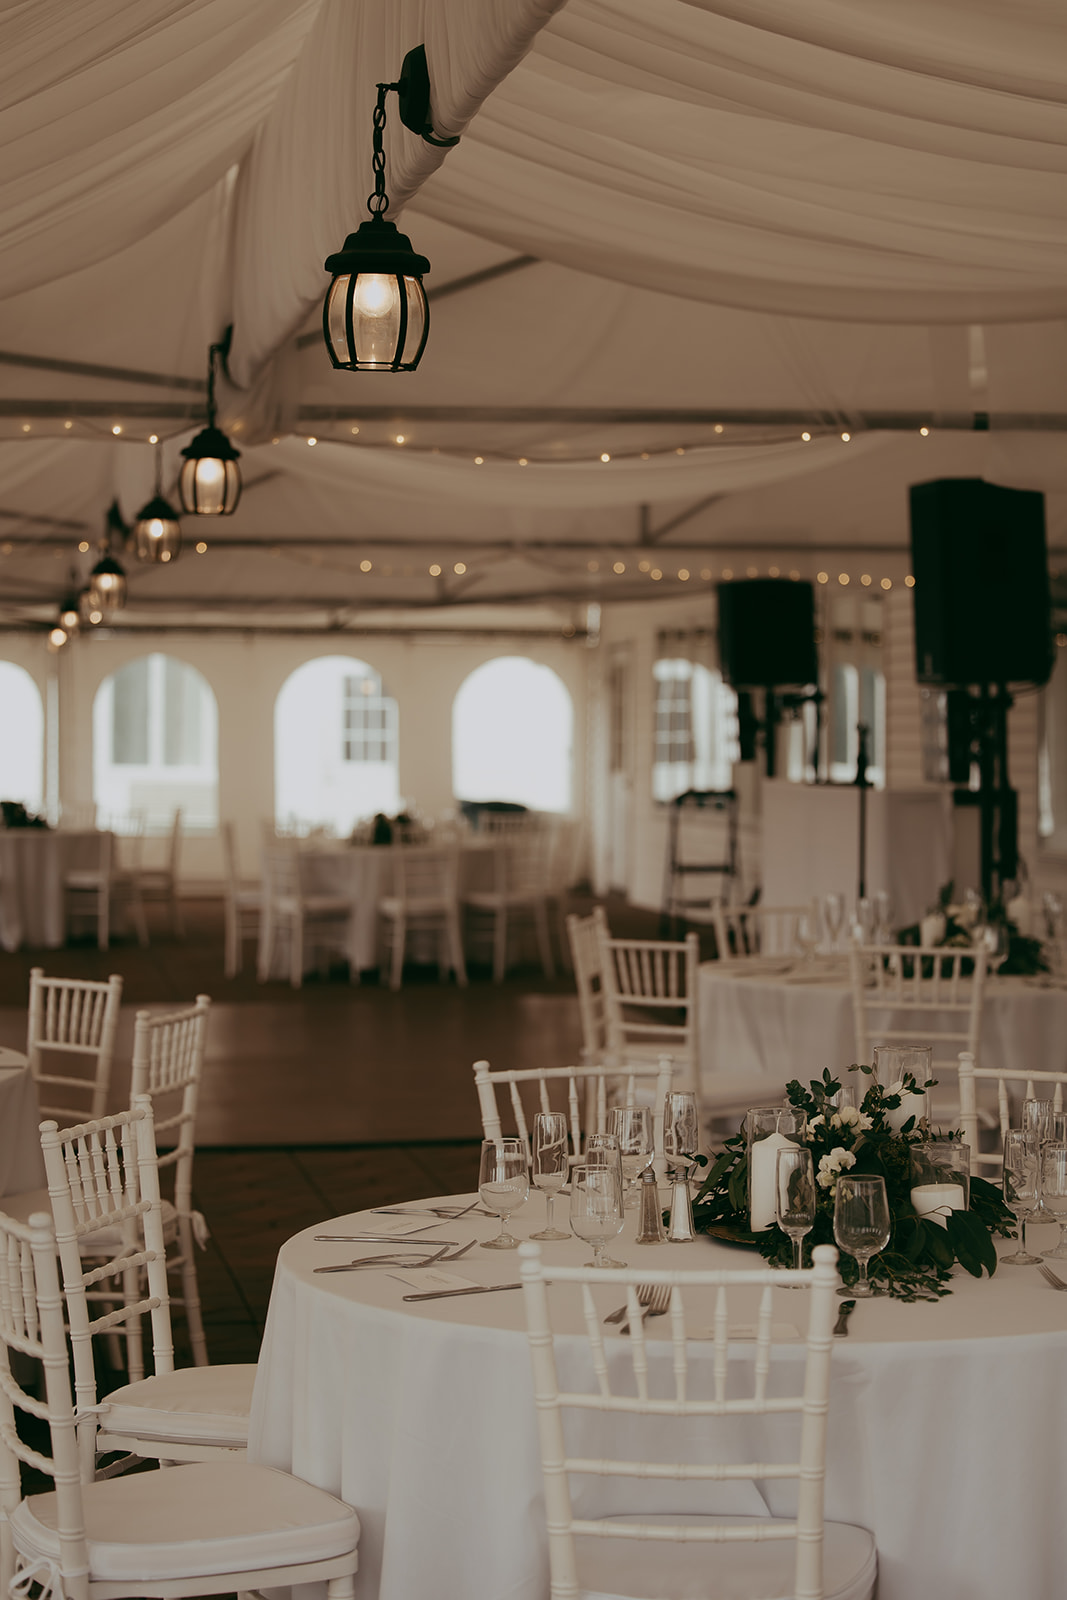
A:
{"x": 368, "y": 1263}
{"x": 657, "y": 1304}
{"x": 645, "y": 1291}
{"x": 1050, "y": 1276}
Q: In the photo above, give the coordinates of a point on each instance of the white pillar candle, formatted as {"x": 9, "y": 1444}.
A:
{"x": 932, "y": 928}
{"x": 911, "y": 1105}
{"x": 935, "y": 1200}
{"x": 762, "y": 1210}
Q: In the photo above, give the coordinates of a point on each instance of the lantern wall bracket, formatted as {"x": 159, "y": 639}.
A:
{"x": 413, "y": 95}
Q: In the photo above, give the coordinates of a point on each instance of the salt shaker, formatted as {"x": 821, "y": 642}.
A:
{"x": 650, "y": 1226}
{"x": 680, "y": 1230}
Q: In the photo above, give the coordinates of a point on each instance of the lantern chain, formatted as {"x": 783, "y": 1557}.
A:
{"x": 378, "y": 202}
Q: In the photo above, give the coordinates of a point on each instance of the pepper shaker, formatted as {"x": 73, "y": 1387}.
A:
{"x": 650, "y": 1225}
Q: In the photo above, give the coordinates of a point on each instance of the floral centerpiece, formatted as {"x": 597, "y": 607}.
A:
{"x": 953, "y": 926}
{"x": 917, "y": 1263}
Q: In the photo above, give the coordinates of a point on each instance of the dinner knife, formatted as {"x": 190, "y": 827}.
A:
{"x": 448, "y": 1294}
{"x": 841, "y": 1325}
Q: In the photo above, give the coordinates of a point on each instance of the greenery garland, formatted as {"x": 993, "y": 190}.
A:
{"x": 917, "y": 1263}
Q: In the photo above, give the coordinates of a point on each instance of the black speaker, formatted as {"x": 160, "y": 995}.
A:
{"x": 982, "y": 607}
{"x": 767, "y": 633}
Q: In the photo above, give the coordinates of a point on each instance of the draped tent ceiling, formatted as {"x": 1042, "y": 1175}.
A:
{"x": 679, "y": 234}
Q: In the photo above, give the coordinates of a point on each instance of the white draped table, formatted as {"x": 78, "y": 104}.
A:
{"x": 755, "y": 1018}
{"x": 21, "y": 1162}
{"x": 33, "y": 863}
{"x": 363, "y": 874}
{"x": 948, "y": 1421}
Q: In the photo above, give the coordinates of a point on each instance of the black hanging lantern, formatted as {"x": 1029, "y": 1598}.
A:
{"x": 375, "y": 317}
{"x": 209, "y": 483}
{"x": 157, "y": 533}
{"x": 107, "y": 586}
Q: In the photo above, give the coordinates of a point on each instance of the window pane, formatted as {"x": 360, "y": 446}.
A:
{"x": 181, "y": 714}
{"x": 129, "y": 715}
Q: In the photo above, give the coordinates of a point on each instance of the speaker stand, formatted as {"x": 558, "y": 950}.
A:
{"x": 998, "y": 808}
{"x": 862, "y": 784}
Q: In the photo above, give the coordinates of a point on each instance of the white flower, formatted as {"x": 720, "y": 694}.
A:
{"x": 832, "y": 1165}
{"x": 847, "y": 1117}
{"x": 864, "y": 1122}
{"x": 813, "y": 1123}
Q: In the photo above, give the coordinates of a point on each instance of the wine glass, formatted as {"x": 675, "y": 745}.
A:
{"x": 596, "y": 1208}
{"x": 806, "y": 934}
{"x": 794, "y": 1193}
{"x": 504, "y": 1184}
{"x": 1052, "y": 906}
{"x": 883, "y": 918}
{"x": 833, "y": 910}
{"x": 550, "y": 1165}
{"x": 681, "y": 1128}
{"x": 996, "y": 942}
{"x": 632, "y": 1127}
{"x": 861, "y": 1225}
{"x": 1054, "y": 1193}
{"x": 1038, "y": 1119}
{"x": 1021, "y": 1186}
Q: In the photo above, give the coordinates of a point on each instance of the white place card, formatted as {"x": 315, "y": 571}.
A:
{"x": 429, "y": 1278}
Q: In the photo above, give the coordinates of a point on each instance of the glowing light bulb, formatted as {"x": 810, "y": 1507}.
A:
{"x": 57, "y": 638}
{"x": 619, "y": 567}
{"x": 201, "y": 548}
{"x": 865, "y": 579}
{"x": 460, "y": 568}
{"x": 910, "y": 581}
{"x": 153, "y": 438}
{"x": 117, "y": 428}
{"x": 806, "y": 437}
{"x": 604, "y": 456}
{"x": 822, "y": 577}
{"x": 376, "y": 295}
{"x": 365, "y": 566}
{"x": 435, "y": 571}
{"x": 887, "y": 583}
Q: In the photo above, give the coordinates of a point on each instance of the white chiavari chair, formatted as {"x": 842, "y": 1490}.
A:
{"x": 650, "y": 1001}
{"x": 640, "y": 1417}
{"x": 103, "y": 1184}
{"x": 159, "y": 883}
{"x": 289, "y": 910}
{"x": 583, "y": 937}
{"x": 72, "y": 1019}
{"x": 522, "y": 887}
{"x": 743, "y": 933}
{"x": 585, "y": 1094}
{"x": 425, "y": 895}
{"x": 208, "y": 1528}
{"x": 242, "y": 903}
{"x": 912, "y": 994}
{"x": 1012, "y": 1088}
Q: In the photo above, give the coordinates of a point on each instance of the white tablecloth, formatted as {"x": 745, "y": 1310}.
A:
{"x": 948, "y": 1422}
{"x": 33, "y": 862}
{"x": 21, "y": 1162}
{"x": 782, "y": 1026}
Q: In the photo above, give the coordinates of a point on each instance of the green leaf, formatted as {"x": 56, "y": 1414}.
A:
{"x": 971, "y": 1242}
{"x": 938, "y": 1247}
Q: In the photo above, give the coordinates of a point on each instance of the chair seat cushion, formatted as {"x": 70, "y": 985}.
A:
{"x": 194, "y": 1521}
{"x": 630, "y": 1569}
{"x": 206, "y": 1405}
{"x": 314, "y": 905}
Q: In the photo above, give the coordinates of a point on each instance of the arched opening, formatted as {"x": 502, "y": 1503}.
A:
{"x": 695, "y": 728}
{"x": 155, "y": 744}
{"x": 513, "y": 735}
{"x": 21, "y": 737}
{"x": 335, "y": 745}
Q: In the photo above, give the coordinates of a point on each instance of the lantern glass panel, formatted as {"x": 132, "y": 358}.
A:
{"x": 378, "y": 324}
{"x": 208, "y": 486}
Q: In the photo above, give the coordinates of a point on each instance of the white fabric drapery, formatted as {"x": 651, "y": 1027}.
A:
{"x": 905, "y": 165}
{"x": 565, "y": 484}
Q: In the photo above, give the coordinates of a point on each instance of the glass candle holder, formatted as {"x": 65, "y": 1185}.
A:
{"x": 894, "y": 1062}
{"x": 940, "y": 1179}
{"x": 768, "y": 1129}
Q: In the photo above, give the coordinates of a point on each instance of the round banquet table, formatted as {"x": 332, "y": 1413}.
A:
{"x": 363, "y": 874}
{"x": 33, "y": 863}
{"x": 754, "y": 1017}
{"x": 21, "y": 1162}
{"x": 947, "y": 1427}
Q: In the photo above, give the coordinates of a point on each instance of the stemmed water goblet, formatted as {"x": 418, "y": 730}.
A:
{"x": 833, "y": 910}
{"x": 1022, "y": 1182}
{"x": 994, "y": 939}
{"x": 681, "y": 1129}
{"x": 861, "y": 1225}
{"x": 794, "y": 1195}
{"x": 1054, "y": 1193}
{"x": 632, "y": 1127}
{"x": 1039, "y": 1119}
{"x": 596, "y": 1207}
{"x": 503, "y": 1184}
{"x": 806, "y": 934}
{"x": 550, "y": 1165}
{"x": 883, "y": 918}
